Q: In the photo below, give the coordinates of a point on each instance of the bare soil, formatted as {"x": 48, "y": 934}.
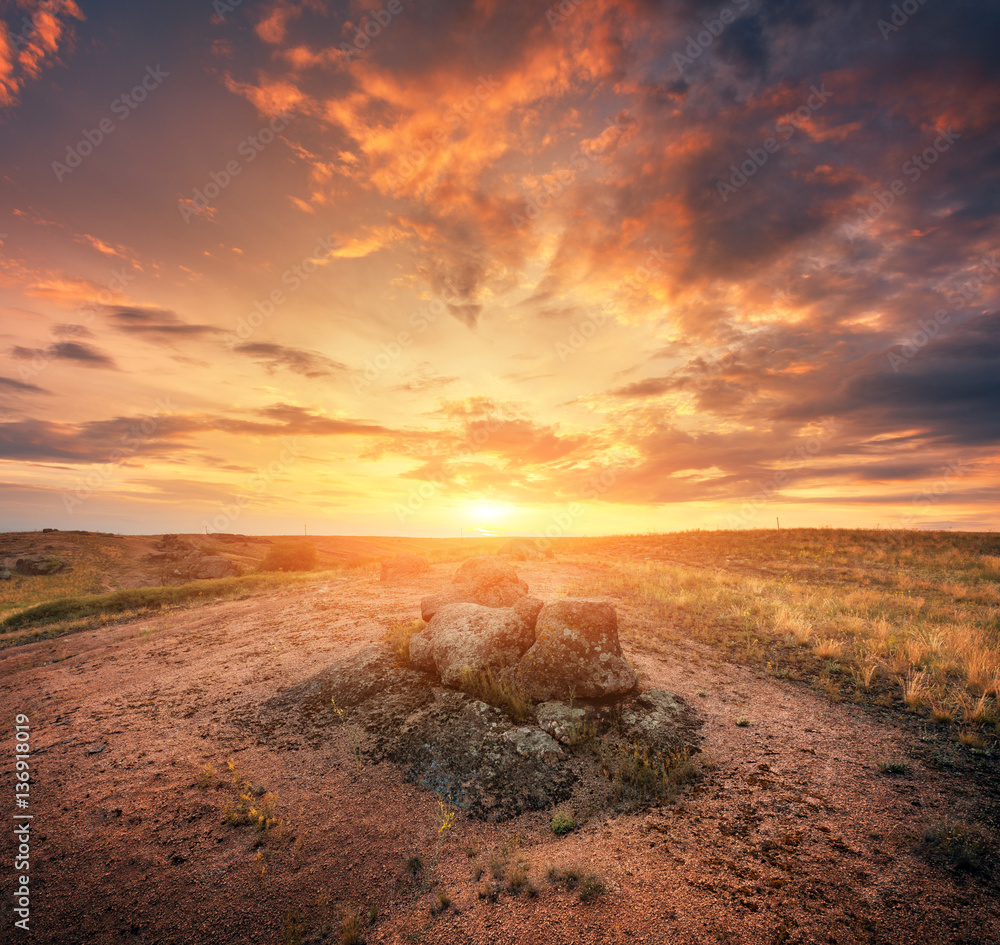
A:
{"x": 790, "y": 833}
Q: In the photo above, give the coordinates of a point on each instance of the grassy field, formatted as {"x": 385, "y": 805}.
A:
{"x": 906, "y": 619}
{"x": 899, "y": 618}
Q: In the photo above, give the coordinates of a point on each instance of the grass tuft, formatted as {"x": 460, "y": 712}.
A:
{"x": 503, "y": 693}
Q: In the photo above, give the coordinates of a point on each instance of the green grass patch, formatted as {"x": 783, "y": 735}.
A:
{"x": 70, "y": 614}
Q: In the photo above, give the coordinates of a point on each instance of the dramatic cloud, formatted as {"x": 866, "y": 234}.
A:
{"x": 274, "y": 357}
{"x": 655, "y": 259}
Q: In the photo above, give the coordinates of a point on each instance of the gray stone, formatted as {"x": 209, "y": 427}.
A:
{"x": 41, "y": 565}
{"x": 576, "y": 653}
{"x": 534, "y": 743}
{"x": 472, "y": 636}
{"x": 559, "y": 720}
{"x": 485, "y": 580}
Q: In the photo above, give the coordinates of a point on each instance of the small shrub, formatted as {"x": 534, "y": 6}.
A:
{"x": 290, "y": 556}
{"x": 958, "y": 846}
{"x": 893, "y": 766}
{"x": 517, "y": 879}
{"x": 443, "y": 900}
{"x": 350, "y": 928}
{"x": 415, "y": 865}
{"x": 742, "y": 722}
{"x": 207, "y": 778}
{"x": 398, "y": 634}
{"x": 563, "y": 823}
{"x": 487, "y": 892}
{"x": 591, "y": 886}
{"x": 639, "y": 775}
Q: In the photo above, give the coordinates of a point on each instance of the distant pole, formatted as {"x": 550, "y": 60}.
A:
{"x": 305, "y": 529}
{"x": 778, "y": 520}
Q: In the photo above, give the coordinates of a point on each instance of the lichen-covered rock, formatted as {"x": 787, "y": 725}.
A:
{"x": 4, "y": 574}
{"x": 485, "y": 580}
{"x": 459, "y": 747}
{"x": 534, "y": 743}
{"x": 559, "y": 720}
{"x": 474, "y": 636}
{"x": 657, "y": 718}
{"x": 576, "y": 653}
{"x": 41, "y": 565}
{"x": 402, "y": 566}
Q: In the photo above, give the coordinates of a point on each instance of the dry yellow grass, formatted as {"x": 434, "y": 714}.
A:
{"x": 924, "y": 619}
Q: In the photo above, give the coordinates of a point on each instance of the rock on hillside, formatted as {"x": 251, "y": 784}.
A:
{"x": 41, "y": 565}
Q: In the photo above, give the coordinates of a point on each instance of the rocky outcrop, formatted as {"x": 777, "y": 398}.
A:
{"x": 576, "y": 653}
{"x": 488, "y": 581}
{"x": 402, "y": 566}
{"x": 41, "y": 565}
{"x": 559, "y": 720}
{"x": 472, "y": 636}
{"x": 459, "y": 747}
{"x": 174, "y": 548}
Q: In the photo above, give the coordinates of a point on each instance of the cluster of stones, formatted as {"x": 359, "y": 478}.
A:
{"x": 189, "y": 562}
{"x": 563, "y": 649}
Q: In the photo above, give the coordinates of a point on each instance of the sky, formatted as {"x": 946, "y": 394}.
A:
{"x": 436, "y": 268}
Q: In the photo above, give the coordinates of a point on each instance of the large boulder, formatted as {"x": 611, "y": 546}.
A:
{"x": 484, "y": 580}
{"x": 463, "y": 635}
{"x": 41, "y": 565}
{"x": 4, "y": 574}
{"x": 402, "y": 566}
{"x": 202, "y": 567}
{"x": 576, "y": 653}
{"x": 175, "y": 547}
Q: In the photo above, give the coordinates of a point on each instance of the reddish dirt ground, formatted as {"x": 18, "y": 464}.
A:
{"x": 791, "y": 833}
